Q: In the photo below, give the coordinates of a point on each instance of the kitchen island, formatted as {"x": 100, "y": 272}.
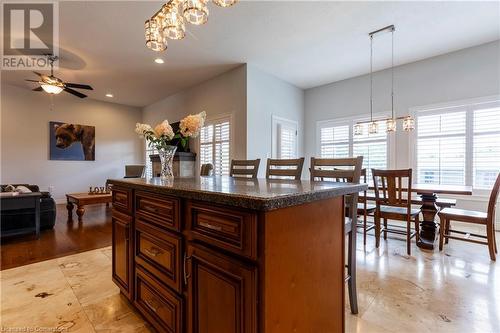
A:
{"x": 224, "y": 255}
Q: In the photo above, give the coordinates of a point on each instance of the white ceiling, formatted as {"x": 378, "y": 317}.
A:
{"x": 305, "y": 43}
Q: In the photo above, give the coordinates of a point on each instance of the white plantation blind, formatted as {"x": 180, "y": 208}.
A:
{"x": 334, "y": 141}
{"x": 459, "y": 145}
{"x": 287, "y": 141}
{"x": 441, "y": 148}
{"x": 373, "y": 148}
{"x": 337, "y": 140}
{"x": 215, "y": 145}
{"x": 486, "y": 147}
{"x": 149, "y": 165}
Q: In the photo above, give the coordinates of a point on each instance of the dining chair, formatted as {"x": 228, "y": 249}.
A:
{"x": 244, "y": 168}
{"x": 393, "y": 201}
{"x": 344, "y": 170}
{"x": 365, "y": 209}
{"x": 487, "y": 219}
{"x": 206, "y": 169}
{"x": 284, "y": 168}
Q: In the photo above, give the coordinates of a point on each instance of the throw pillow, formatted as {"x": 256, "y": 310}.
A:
{"x": 23, "y": 189}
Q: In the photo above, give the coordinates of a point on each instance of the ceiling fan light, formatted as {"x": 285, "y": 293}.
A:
{"x": 195, "y": 11}
{"x": 173, "y": 24}
{"x": 391, "y": 125}
{"x": 373, "y": 127}
{"x": 51, "y": 89}
{"x": 409, "y": 124}
{"x": 154, "y": 36}
{"x": 224, "y": 3}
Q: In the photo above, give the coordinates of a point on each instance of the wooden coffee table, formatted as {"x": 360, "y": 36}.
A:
{"x": 83, "y": 199}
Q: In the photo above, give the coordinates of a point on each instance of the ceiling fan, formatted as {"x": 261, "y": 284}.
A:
{"x": 54, "y": 85}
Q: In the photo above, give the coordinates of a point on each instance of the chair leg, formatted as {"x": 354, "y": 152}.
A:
{"x": 491, "y": 238}
{"x": 364, "y": 227}
{"x": 417, "y": 228}
{"x": 408, "y": 236}
{"x": 495, "y": 239}
{"x": 351, "y": 271}
{"x": 447, "y": 230}
{"x": 441, "y": 231}
{"x": 377, "y": 230}
{"x": 385, "y": 229}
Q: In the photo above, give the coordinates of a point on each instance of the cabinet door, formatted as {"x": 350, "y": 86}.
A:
{"x": 222, "y": 293}
{"x": 122, "y": 252}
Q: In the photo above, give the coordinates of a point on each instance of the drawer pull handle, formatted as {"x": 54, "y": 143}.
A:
{"x": 153, "y": 251}
{"x": 151, "y": 209}
{"x": 211, "y": 226}
{"x": 150, "y": 304}
{"x": 186, "y": 276}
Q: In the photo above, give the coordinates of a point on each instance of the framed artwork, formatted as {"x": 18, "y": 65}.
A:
{"x": 71, "y": 142}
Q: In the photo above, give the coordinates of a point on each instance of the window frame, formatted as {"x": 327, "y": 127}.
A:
{"x": 351, "y": 121}
{"x": 213, "y": 121}
{"x": 467, "y": 105}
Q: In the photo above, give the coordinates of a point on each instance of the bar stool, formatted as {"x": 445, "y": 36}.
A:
{"x": 344, "y": 170}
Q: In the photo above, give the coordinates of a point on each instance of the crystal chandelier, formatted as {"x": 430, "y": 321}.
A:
{"x": 169, "y": 21}
{"x": 391, "y": 123}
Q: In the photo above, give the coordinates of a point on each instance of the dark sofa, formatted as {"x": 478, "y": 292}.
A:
{"x": 15, "y": 219}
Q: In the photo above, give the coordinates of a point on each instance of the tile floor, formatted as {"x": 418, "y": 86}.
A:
{"x": 454, "y": 291}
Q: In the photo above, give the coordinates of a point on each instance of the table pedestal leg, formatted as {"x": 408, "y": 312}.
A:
{"x": 428, "y": 226}
{"x": 69, "y": 207}
{"x": 80, "y": 211}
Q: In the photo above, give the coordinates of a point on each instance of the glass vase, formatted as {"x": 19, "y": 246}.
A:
{"x": 166, "y": 159}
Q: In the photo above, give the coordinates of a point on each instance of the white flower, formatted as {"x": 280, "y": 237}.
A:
{"x": 142, "y": 129}
{"x": 192, "y": 124}
{"x": 164, "y": 129}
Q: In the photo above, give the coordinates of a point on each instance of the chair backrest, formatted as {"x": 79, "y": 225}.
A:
{"x": 244, "y": 168}
{"x": 134, "y": 171}
{"x": 338, "y": 169}
{"x": 392, "y": 187}
{"x": 284, "y": 168}
{"x": 493, "y": 199}
{"x": 206, "y": 169}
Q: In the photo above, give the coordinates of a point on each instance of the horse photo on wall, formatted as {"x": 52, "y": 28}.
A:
{"x": 71, "y": 142}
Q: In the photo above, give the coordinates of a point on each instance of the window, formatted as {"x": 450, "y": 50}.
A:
{"x": 459, "y": 144}
{"x": 284, "y": 138}
{"x": 149, "y": 166}
{"x": 441, "y": 148}
{"x": 215, "y": 145}
{"x": 337, "y": 140}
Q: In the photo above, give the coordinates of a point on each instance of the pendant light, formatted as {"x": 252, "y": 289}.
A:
{"x": 391, "y": 122}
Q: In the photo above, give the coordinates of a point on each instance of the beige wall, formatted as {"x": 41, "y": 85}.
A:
{"x": 25, "y": 117}
{"x": 222, "y": 95}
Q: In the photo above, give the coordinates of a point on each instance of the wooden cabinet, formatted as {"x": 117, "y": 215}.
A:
{"x": 122, "y": 255}
{"x": 194, "y": 266}
{"x": 222, "y": 293}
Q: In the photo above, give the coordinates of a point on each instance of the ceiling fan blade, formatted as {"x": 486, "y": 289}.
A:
{"x": 78, "y": 86}
{"x": 32, "y": 81}
{"x": 38, "y": 89}
{"x": 40, "y": 75}
{"x": 74, "y": 92}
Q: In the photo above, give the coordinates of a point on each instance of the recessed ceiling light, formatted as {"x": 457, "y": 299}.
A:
{"x": 109, "y": 95}
{"x": 159, "y": 61}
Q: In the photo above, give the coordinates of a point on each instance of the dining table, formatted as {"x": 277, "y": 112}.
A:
{"x": 430, "y": 194}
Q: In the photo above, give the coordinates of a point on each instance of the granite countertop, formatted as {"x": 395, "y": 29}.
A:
{"x": 257, "y": 194}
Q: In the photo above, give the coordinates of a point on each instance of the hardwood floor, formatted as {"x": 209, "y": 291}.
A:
{"x": 65, "y": 239}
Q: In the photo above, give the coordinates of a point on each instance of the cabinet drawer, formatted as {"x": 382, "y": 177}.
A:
{"x": 122, "y": 199}
{"x": 160, "y": 210}
{"x": 161, "y": 307}
{"x": 159, "y": 252}
{"x": 227, "y": 228}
